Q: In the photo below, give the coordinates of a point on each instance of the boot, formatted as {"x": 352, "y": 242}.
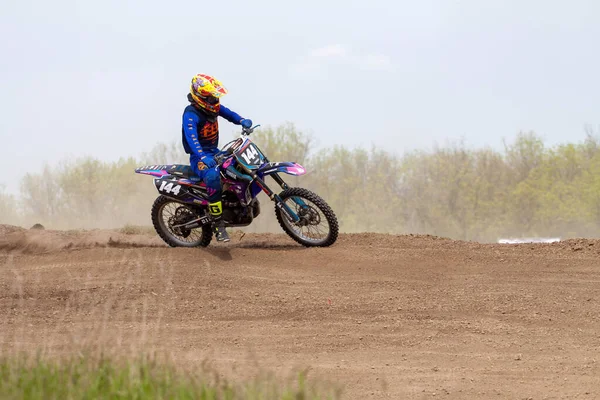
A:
{"x": 216, "y": 212}
{"x": 220, "y": 232}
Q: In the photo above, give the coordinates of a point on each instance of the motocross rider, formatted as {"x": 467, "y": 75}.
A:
{"x": 200, "y": 137}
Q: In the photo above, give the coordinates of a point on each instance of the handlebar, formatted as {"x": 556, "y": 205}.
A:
{"x": 229, "y": 149}
{"x": 248, "y": 131}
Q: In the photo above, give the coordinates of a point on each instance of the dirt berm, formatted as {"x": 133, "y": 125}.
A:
{"x": 384, "y": 316}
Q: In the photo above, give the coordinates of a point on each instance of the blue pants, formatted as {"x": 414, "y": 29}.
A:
{"x": 210, "y": 176}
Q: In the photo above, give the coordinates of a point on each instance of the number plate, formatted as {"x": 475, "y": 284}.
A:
{"x": 250, "y": 156}
{"x": 169, "y": 188}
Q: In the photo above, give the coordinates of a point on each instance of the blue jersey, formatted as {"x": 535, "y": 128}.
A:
{"x": 200, "y": 134}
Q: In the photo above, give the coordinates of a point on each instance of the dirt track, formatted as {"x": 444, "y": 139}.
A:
{"x": 384, "y": 316}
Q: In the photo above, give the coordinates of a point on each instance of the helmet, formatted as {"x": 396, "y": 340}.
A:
{"x": 206, "y": 91}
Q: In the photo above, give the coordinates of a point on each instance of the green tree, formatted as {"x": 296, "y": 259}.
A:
{"x": 452, "y": 190}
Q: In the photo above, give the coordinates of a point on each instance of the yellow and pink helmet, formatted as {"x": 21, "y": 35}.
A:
{"x": 206, "y": 92}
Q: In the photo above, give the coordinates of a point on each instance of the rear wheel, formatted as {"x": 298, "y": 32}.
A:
{"x": 167, "y": 214}
{"x": 318, "y": 225}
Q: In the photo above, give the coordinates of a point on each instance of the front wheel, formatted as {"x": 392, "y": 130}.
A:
{"x": 318, "y": 225}
{"x": 167, "y": 214}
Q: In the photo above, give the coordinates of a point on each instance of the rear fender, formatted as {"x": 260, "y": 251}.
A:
{"x": 290, "y": 168}
{"x": 154, "y": 170}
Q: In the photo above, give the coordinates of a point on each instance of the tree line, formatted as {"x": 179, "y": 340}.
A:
{"x": 524, "y": 189}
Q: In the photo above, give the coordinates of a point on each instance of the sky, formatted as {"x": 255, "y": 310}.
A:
{"x": 109, "y": 79}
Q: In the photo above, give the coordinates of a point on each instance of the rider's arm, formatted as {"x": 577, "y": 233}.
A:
{"x": 229, "y": 115}
{"x": 190, "y": 128}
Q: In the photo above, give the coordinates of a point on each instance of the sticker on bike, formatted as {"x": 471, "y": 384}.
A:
{"x": 169, "y": 188}
{"x": 250, "y": 155}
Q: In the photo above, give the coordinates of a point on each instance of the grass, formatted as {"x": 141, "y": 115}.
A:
{"x": 104, "y": 378}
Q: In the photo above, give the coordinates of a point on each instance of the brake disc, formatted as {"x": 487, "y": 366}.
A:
{"x": 308, "y": 216}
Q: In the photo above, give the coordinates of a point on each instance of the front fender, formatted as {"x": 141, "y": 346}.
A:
{"x": 290, "y": 168}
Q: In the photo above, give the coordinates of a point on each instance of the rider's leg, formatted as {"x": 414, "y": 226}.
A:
{"x": 212, "y": 179}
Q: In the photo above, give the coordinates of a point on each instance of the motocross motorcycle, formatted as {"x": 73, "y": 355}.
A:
{"x": 181, "y": 217}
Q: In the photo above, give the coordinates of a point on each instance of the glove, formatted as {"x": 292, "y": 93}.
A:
{"x": 246, "y": 123}
{"x": 208, "y": 161}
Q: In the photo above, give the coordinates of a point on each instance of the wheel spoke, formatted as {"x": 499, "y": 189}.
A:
{"x": 173, "y": 214}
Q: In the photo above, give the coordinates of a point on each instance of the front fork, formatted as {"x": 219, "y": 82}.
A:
{"x": 278, "y": 201}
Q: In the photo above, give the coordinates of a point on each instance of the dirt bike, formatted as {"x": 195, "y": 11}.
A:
{"x": 181, "y": 217}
